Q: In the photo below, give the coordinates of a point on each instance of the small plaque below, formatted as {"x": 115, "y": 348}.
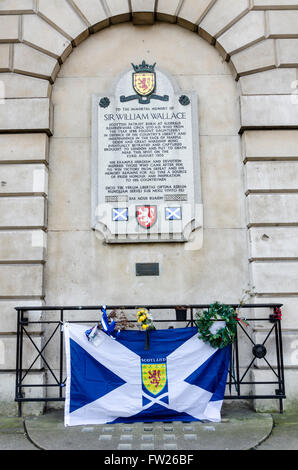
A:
{"x": 147, "y": 269}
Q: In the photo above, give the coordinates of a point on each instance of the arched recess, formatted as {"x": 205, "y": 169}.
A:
{"x": 91, "y": 69}
{"x": 257, "y": 38}
{"x": 81, "y": 269}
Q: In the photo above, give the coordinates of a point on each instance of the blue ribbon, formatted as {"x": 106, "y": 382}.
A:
{"x": 108, "y": 328}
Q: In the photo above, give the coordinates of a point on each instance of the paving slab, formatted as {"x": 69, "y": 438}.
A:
{"x": 284, "y": 434}
{"x": 13, "y": 436}
{"x": 240, "y": 429}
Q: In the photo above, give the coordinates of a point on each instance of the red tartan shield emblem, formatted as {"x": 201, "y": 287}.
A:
{"x": 146, "y": 215}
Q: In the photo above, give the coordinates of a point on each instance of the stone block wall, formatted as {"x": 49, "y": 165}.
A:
{"x": 257, "y": 39}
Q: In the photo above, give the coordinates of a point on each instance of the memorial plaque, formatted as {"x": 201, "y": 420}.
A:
{"x": 145, "y": 159}
{"x": 147, "y": 269}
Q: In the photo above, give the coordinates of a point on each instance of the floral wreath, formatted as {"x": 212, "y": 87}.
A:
{"x": 223, "y": 336}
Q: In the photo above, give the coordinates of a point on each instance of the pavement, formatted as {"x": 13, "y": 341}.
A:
{"x": 241, "y": 428}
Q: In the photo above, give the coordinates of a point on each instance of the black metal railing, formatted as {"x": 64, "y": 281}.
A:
{"x": 248, "y": 354}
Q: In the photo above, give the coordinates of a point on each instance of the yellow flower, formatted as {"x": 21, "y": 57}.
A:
{"x": 142, "y": 316}
{"x": 142, "y": 311}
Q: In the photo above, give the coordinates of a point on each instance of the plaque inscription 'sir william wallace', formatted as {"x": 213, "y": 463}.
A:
{"x": 145, "y": 159}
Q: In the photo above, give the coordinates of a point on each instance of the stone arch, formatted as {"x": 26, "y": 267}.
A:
{"x": 72, "y": 101}
{"x": 258, "y": 38}
{"x": 54, "y": 28}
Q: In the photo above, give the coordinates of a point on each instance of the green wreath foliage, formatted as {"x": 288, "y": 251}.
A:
{"x": 223, "y": 336}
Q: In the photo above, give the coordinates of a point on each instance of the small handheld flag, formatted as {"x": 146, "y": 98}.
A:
{"x": 91, "y": 333}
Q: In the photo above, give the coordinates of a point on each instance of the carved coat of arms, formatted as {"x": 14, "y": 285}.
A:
{"x": 146, "y": 215}
{"x": 144, "y": 84}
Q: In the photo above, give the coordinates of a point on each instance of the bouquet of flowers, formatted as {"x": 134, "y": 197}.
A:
{"x": 145, "y": 320}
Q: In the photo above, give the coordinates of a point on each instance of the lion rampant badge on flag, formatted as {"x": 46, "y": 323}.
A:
{"x": 154, "y": 377}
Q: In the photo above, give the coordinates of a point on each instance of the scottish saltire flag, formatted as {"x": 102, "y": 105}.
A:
{"x": 180, "y": 378}
{"x": 173, "y": 213}
{"x": 119, "y": 215}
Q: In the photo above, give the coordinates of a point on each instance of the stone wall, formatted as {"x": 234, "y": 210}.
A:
{"x": 257, "y": 40}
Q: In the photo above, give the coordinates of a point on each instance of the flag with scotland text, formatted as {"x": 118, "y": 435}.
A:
{"x": 180, "y": 378}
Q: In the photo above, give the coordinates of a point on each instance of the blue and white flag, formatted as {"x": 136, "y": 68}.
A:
{"x": 173, "y": 213}
{"x": 119, "y": 215}
{"x": 180, "y": 378}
